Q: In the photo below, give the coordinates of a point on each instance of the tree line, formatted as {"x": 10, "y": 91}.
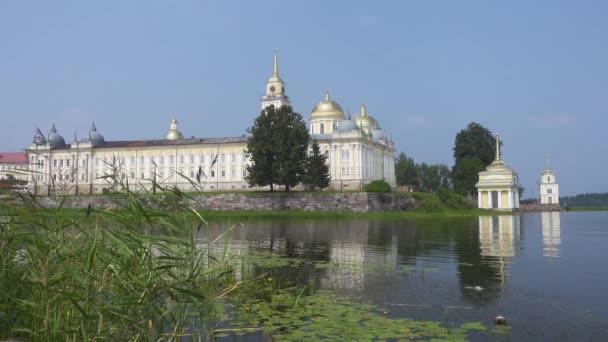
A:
{"x": 474, "y": 149}
{"x": 586, "y": 200}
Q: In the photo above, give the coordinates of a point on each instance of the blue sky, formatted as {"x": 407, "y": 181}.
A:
{"x": 534, "y": 72}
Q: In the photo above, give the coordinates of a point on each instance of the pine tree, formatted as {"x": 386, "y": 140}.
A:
{"x": 317, "y": 174}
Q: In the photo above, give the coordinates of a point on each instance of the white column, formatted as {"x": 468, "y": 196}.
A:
{"x": 511, "y": 202}
{"x": 479, "y": 200}
{"x": 499, "y": 199}
{"x": 490, "y": 204}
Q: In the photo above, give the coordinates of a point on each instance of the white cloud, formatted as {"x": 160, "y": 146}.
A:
{"x": 415, "y": 121}
{"x": 552, "y": 120}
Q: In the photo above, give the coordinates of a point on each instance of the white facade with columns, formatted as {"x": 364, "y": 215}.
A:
{"x": 498, "y": 185}
{"x": 357, "y": 154}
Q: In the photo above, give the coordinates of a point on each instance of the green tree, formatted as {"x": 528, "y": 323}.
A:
{"x": 316, "y": 175}
{"x": 405, "y": 170}
{"x": 433, "y": 177}
{"x": 465, "y": 174}
{"x": 277, "y": 148}
{"x": 474, "y": 149}
{"x": 475, "y": 141}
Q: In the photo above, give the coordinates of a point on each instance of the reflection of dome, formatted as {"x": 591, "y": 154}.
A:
{"x": 327, "y": 108}
{"x": 55, "y": 139}
{"x": 378, "y": 134}
{"x": 366, "y": 122}
{"x": 347, "y": 125}
{"x": 174, "y": 133}
{"x": 94, "y": 137}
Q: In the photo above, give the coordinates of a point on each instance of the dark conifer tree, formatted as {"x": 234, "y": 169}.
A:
{"x": 317, "y": 174}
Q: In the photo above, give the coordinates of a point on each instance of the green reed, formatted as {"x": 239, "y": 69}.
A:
{"x": 106, "y": 275}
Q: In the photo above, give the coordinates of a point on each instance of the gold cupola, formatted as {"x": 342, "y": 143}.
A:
{"x": 173, "y": 133}
{"x": 327, "y": 108}
{"x": 365, "y": 121}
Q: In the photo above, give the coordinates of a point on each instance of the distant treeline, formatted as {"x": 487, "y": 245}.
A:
{"x": 585, "y": 200}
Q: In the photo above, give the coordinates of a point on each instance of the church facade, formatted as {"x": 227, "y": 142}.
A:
{"x": 358, "y": 151}
{"x": 549, "y": 189}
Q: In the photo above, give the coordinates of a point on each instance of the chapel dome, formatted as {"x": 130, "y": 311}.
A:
{"x": 378, "y": 134}
{"x": 366, "y": 122}
{"x": 55, "y": 139}
{"x": 327, "y": 108}
{"x": 173, "y": 133}
{"x": 347, "y": 126}
{"x": 95, "y": 137}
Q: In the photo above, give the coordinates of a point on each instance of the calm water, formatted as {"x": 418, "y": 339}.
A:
{"x": 547, "y": 273}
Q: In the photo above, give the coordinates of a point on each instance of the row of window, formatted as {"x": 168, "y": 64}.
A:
{"x": 183, "y": 159}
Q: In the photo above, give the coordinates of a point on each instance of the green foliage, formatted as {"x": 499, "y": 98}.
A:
{"x": 277, "y": 148}
{"x": 441, "y": 201}
{"x": 432, "y": 177}
{"x": 101, "y": 276}
{"x": 423, "y": 177}
{"x": 475, "y": 141}
{"x": 317, "y": 175}
{"x": 466, "y": 174}
{"x": 379, "y": 185}
{"x": 405, "y": 170}
{"x": 474, "y": 149}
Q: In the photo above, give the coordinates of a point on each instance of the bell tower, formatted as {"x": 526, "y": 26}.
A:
{"x": 549, "y": 189}
{"x": 275, "y": 88}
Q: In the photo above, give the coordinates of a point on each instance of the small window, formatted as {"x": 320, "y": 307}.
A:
{"x": 212, "y": 173}
{"x": 223, "y": 173}
{"x": 67, "y": 162}
{"x": 223, "y": 157}
{"x": 549, "y": 179}
{"x": 549, "y": 191}
{"x": 322, "y": 128}
{"x": 141, "y": 160}
{"x": 233, "y": 158}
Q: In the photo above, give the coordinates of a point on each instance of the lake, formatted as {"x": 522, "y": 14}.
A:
{"x": 545, "y": 272}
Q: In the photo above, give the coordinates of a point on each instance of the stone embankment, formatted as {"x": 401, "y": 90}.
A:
{"x": 539, "y": 207}
{"x": 346, "y": 201}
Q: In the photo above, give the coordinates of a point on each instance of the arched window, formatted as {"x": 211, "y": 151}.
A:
{"x": 322, "y": 129}
{"x": 549, "y": 179}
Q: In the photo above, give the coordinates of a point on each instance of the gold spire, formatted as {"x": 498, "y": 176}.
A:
{"x": 276, "y": 63}
{"x": 363, "y": 111}
{"x": 326, "y": 95}
{"x": 497, "y": 148}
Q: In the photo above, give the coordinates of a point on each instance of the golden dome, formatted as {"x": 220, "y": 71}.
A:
{"x": 174, "y": 133}
{"x": 327, "y": 107}
{"x": 366, "y": 122}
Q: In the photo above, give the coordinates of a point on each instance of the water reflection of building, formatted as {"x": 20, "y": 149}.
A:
{"x": 551, "y": 228}
{"x": 351, "y": 258}
{"x": 498, "y": 235}
{"x": 499, "y": 238}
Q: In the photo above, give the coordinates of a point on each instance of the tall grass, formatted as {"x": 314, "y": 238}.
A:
{"x": 108, "y": 275}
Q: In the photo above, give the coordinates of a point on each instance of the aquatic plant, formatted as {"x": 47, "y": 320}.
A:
{"x": 107, "y": 274}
